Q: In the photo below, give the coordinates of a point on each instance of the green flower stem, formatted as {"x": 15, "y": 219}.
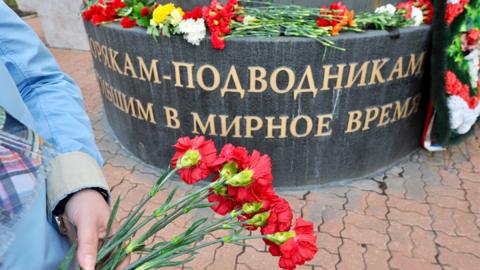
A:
{"x": 124, "y": 231}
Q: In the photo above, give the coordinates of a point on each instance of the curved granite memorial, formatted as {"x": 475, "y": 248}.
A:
{"x": 322, "y": 114}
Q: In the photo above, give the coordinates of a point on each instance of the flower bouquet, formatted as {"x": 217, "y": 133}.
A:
{"x": 239, "y": 18}
{"x": 240, "y": 192}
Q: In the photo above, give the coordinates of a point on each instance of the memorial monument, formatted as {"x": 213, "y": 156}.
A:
{"x": 321, "y": 113}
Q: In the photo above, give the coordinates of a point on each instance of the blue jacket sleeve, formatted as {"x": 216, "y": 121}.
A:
{"x": 53, "y": 98}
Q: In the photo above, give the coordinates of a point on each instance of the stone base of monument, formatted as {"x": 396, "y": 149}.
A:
{"x": 322, "y": 114}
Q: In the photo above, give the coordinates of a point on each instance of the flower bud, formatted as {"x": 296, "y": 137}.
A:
{"x": 241, "y": 179}
{"x": 259, "y": 220}
{"x": 235, "y": 213}
{"x": 227, "y": 226}
{"x": 221, "y": 190}
{"x": 159, "y": 212}
{"x": 133, "y": 246}
{"x": 281, "y": 237}
{"x": 252, "y": 208}
{"x": 227, "y": 239}
{"x": 189, "y": 159}
{"x": 228, "y": 170}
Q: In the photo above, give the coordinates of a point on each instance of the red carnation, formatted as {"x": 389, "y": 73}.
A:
{"x": 128, "y": 23}
{"x": 224, "y": 204}
{"x": 407, "y": 8}
{"x": 231, "y": 153}
{"x": 472, "y": 37}
{"x": 454, "y": 86}
{"x": 280, "y": 219}
{"x": 300, "y": 248}
{"x": 195, "y": 14}
{"x": 260, "y": 187}
{"x": 453, "y": 10}
{"x": 217, "y": 41}
{"x": 196, "y": 157}
{"x": 144, "y": 11}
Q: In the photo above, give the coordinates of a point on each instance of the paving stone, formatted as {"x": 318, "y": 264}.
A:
{"x": 365, "y": 236}
{"x": 400, "y": 261}
{"x": 332, "y": 221}
{"x": 408, "y": 205}
{"x": 395, "y": 186}
{"x": 465, "y": 225}
{"x": 459, "y": 261}
{"x": 366, "y": 222}
{"x": 443, "y": 220}
{"x": 376, "y": 258}
{"x": 458, "y": 244}
{"x": 424, "y": 245}
{"x": 400, "y": 240}
{"x": 448, "y": 202}
{"x": 258, "y": 260}
{"x": 352, "y": 256}
{"x": 410, "y": 218}
{"x": 328, "y": 242}
{"x": 376, "y": 205}
{"x": 357, "y": 201}
{"x": 325, "y": 260}
{"x": 449, "y": 178}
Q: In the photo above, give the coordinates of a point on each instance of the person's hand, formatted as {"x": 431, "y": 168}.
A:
{"x": 86, "y": 218}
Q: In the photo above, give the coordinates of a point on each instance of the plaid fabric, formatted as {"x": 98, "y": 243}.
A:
{"x": 19, "y": 161}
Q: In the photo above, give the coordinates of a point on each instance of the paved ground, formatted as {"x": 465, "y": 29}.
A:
{"x": 422, "y": 214}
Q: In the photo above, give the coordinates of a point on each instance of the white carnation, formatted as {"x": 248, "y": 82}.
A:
{"x": 417, "y": 16}
{"x": 193, "y": 31}
{"x": 388, "y": 9}
{"x": 453, "y": 2}
{"x": 473, "y": 59}
{"x": 462, "y": 117}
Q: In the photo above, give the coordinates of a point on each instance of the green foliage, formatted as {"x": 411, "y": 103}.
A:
{"x": 12, "y": 4}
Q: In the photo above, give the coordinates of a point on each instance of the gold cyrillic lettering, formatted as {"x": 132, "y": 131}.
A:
{"x": 362, "y": 73}
{"x": 370, "y": 117}
{"x": 171, "y": 118}
{"x": 235, "y": 125}
{"x": 274, "y": 78}
{"x": 308, "y": 128}
{"x": 148, "y": 72}
{"x": 385, "y": 115}
{"x": 397, "y": 69}
{"x": 178, "y": 78}
{"x": 377, "y": 71}
{"x": 209, "y": 125}
{"x": 113, "y": 60}
{"x": 282, "y": 127}
{"x": 232, "y": 75}
{"x": 250, "y": 128}
{"x": 311, "y": 88}
{"x": 324, "y": 128}
{"x": 215, "y": 74}
{"x": 354, "y": 119}
{"x": 128, "y": 66}
{"x": 260, "y": 78}
{"x": 146, "y": 115}
{"x": 415, "y": 67}
{"x": 327, "y": 76}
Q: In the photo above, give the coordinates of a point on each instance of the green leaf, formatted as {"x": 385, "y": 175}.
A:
{"x": 195, "y": 225}
{"x": 166, "y": 30}
{"x": 67, "y": 261}
{"x": 112, "y": 217}
{"x": 144, "y": 22}
{"x": 124, "y": 12}
{"x": 137, "y": 9}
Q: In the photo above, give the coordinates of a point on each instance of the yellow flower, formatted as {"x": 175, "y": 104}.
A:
{"x": 161, "y": 13}
{"x": 177, "y": 16}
